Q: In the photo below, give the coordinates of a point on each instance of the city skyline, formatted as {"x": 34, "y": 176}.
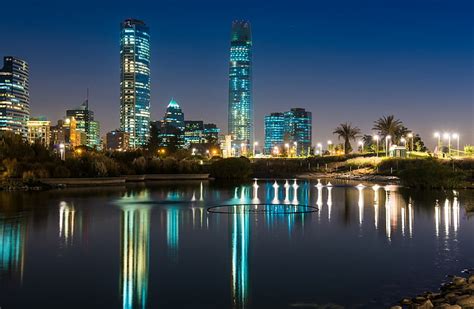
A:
{"x": 339, "y": 73}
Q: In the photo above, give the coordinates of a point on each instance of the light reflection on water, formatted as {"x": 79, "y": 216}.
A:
{"x": 375, "y": 210}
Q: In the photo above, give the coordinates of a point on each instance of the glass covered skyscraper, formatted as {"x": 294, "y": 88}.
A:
{"x": 14, "y": 96}
{"x": 240, "y": 86}
{"x": 293, "y": 127}
{"x": 135, "y": 81}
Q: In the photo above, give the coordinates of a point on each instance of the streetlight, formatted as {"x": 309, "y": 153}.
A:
{"x": 276, "y": 150}
{"x": 404, "y": 141}
{"x": 377, "y": 138}
{"x": 410, "y": 136}
{"x": 329, "y": 146}
{"x": 296, "y": 148}
{"x": 456, "y": 137}
{"x": 320, "y": 146}
{"x": 438, "y": 136}
{"x": 361, "y": 144}
{"x": 387, "y": 139}
{"x": 255, "y": 144}
{"x": 193, "y": 152}
{"x": 242, "y": 145}
{"x": 448, "y": 137}
{"x": 287, "y": 146}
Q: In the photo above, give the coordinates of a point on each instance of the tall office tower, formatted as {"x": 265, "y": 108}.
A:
{"x": 14, "y": 96}
{"x": 274, "y": 131}
{"x": 290, "y": 129}
{"x": 85, "y": 123}
{"x": 135, "y": 81}
{"x": 298, "y": 124}
{"x": 240, "y": 110}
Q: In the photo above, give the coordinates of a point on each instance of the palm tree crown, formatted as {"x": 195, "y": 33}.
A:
{"x": 347, "y": 132}
{"x": 388, "y": 125}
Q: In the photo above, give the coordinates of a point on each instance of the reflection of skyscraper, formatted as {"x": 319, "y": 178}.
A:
{"x": 135, "y": 236}
{"x": 240, "y": 264}
{"x": 172, "y": 230}
{"x": 135, "y": 81}
{"x": 12, "y": 246}
{"x": 240, "y": 109}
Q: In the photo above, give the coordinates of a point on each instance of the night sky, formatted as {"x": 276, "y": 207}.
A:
{"x": 343, "y": 60}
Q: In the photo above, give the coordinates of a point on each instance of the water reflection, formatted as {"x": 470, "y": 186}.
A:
{"x": 135, "y": 240}
{"x": 172, "y": 230}
{"x": 67, "y": 223}
{"x": 240, "y": 237}
{"x": 12, "y": 247}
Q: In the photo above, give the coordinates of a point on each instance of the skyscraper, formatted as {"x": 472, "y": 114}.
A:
{"x": 172, "y": 126}
{"x": 85, "y": 123}
{"x": 274, "y": 131}
{"x": 14, "y": 96}
{"x": 240, "y": 110}
{"x": 135, "y": 81}
{"x": 292, "y": 127}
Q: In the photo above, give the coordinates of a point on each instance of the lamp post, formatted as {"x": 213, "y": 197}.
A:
{"x": 377, "y": 138}
{"x": 404, "y": 141}
{"x": 410, "y": 136}
{"x": 330, "y": 146}
{"x": 193, "y": 152}
{"x": 387, "y": 139}
{"x": 255, "y": 144}
{"x": 276, "y": 150}
{"x": 320, "y": 146}
{"x": 456, "y": 137}
{"x": 361, "y": 146}
{"x": 242, "y": 147}
{"x": 287, "y": 147}
{"x": 448, "y": 137}
{"x": 296, "y": 148}
{"x": 438, "y": 136}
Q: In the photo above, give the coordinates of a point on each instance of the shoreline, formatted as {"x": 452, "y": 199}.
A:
{"x": 458, "y": 293}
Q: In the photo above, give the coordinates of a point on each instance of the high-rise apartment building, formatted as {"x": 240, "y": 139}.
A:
{"x": 240, "y": 109}
{"x": 14, "y": 96}
{"x": 292, "y": 128}
{"x": 135, "y": 81}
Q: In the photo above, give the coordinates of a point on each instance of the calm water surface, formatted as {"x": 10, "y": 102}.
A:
{"x": 156, "y": 246}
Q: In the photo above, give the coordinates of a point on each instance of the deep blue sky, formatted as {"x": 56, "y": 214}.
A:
{"x": 343, "y": 60}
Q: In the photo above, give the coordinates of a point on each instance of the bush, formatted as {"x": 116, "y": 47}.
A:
{"x": 231, "y": 168}
{"x": 61, "y": 172}
{"x": 430, "y": 173}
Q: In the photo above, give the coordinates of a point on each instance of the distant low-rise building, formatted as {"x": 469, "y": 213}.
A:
{"x": 39, "y": 131}
{"x": 85, "y": 123}
{"x": 117, "y": 141}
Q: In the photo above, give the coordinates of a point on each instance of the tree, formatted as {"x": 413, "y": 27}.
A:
{"x": 154, "y": 140}
{"x": 418, "y": 144}
{"x": 388, "y": 125}
{"x": 347, "y": 132}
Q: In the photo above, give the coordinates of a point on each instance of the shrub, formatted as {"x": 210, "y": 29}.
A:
{"x": 231, "y": 168}
{"x": 61, "y": 172}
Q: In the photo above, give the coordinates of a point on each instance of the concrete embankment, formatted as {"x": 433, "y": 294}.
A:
{"x": 104, "y": 181}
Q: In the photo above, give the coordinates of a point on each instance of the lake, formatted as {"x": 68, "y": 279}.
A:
{"x": 157, "y": 246}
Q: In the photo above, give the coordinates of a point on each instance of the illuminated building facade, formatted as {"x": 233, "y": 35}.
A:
{"x": 293, "y": 127}
{"x": 274, "y": 131}
{"x": 135, "y": 81}
{"x": 14, "y": 96}
{"x": 240, "y": 109}
{"x": 199, "y": 133}
{"x": 39, "y": 131}
{"x": 172, "y": 126}
{"x": 85, "y": 123}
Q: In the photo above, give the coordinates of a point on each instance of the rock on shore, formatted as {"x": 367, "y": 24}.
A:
{"x": 457, "y": 294}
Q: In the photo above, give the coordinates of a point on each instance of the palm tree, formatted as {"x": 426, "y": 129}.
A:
{"x": 388, "y": 125}
{"x": 347, "y": 132}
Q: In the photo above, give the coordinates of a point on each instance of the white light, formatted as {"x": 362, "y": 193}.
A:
{"x": 446, "y": 136}
{"x": 455, "y": 135}
{"x": 329, "y": 142}
{"x": 436, "y": 134}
